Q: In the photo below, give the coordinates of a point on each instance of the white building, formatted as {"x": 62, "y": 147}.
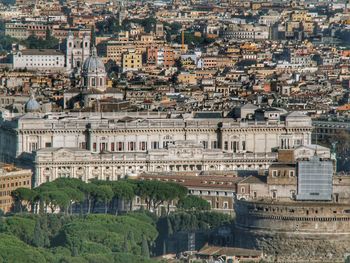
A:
{"x": 77, "y": 51}
{"x": 133, "y": 132}
{"x": 181, "y": 156}
{"x": 38, "y": 59}
{"x": 115, "y": 145}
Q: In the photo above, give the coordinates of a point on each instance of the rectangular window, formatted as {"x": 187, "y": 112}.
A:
{"x": 112, "y": 147}
{"x": 214, "y": 144}
{"x": 143, "y": 146}
{"x": 274, "y": 173}
{"x": 291, "y": 173}
{"x": 94, "y": 146}
{"x": 155, "y": 145}
{"x": 47, "y": 144}
{"x": 82, "y": 145}
{"x": 131, "y": 146}
{"x": 234, "y": 146}
{"x": 226, "y": 145}
{"x": 103, "y": 146}
{"x": 120, "y": 146}
{"x": 205, "y": 144}
{"x": 243, "y": 145}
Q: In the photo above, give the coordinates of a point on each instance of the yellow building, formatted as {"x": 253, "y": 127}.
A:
{"x": 299, "y": 16}
{"x": 187, "y": 78}
{"x": 131, "y": 60}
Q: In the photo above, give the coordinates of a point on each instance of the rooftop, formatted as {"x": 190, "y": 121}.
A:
{"x": 41, "y": 52}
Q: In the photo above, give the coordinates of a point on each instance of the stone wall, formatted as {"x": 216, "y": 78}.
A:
{"x": 294, "y": 231}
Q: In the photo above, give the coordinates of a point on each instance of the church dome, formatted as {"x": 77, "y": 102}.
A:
{"x": 32, "y": 105}
{"x": 93, "y": 64}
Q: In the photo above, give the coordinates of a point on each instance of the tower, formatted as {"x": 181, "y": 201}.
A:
{"x": 159, "y": 30}
{"x": 183, "y": 40}
{"x": 77, "y": 51}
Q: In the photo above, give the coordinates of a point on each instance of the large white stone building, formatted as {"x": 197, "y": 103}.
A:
{"x": 39, "y": 59}
{"x": 181, "y": 156}
{"x": 134, "y": 139}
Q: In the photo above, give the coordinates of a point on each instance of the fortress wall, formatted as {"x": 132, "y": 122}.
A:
{"x": 295, "y": 230}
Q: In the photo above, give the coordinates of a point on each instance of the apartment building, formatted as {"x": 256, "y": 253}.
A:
{"x": 12, "y": 178}
{"x": 160, "y": 56}
{"x": 131, "y": 60}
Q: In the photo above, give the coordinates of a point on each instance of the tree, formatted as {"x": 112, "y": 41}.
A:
{"x": 21, "y": 195}
{"x": 88, "y": 190}
{"x": 38, "y": 237}
{"x": 144, "y": 247}
{"x": 123, "y": 190}
{"x": 156, "y": 193}
{"x": 59, "y": 199}
{"x": 6, "y": 43}
{"x": 193, "y": 202}
{"x": 103, "y": 194}
{"x": 35, "y": 42}
{"x": 75, "y": 196}
{"x": 175, "y": 192}
{"x": 126, "y": 245}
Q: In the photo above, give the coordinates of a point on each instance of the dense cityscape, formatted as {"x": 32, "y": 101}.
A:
{"x": 174, "y": 131}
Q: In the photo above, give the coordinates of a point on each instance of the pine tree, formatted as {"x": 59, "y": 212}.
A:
{"x": 144, "y": 247}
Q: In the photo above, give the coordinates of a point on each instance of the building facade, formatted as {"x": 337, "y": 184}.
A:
{"x": 131, "y": 60}
{"x": 12, "y": 178}
{"x": 39, "y": 59}
{"x": 77, "y": 51}
{"x": 134, "y": 132}
{"x": 182, "y": 157}
{"x": 132, "y": 143}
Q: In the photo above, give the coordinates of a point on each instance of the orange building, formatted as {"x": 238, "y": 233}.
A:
{"x": 161, "y": 56}
{"x": 12, "y": 178}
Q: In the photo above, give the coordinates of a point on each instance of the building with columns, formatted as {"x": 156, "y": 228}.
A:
{"x": 114, "y": 145}
{"x": 179, "y": 157}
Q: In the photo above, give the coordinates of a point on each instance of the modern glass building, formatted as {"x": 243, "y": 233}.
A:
{"x": 315, "y": 180}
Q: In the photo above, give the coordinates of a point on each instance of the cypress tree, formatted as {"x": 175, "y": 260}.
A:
{"x": 144, "y": 247}
{"x": 38, "y": 238}
{"x": 125, "y": 245}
